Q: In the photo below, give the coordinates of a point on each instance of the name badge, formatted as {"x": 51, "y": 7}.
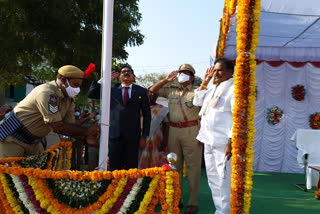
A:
{"x": 174, "y": 98}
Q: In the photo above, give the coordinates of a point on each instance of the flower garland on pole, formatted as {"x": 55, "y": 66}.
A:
{"x": 228, "y": 10}
{"x": 243, "y": 112}
{"x": 224, "y": 28}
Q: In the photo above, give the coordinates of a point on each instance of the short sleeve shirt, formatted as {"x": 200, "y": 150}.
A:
{"x": 43, "y": 105}
{"x": 186, "y": 97}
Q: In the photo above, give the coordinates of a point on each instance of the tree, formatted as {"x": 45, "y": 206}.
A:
{"x": 37, "y": 37}
{"x": 197, "y": 81}
{"x": 148, "y": 80}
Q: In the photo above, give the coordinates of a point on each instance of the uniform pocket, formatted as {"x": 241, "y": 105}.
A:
{"x": 189, "y": 104}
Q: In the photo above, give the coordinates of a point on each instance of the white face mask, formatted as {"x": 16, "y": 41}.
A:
{"x": 72, "y": 92}
{"x": 183, "y": 78}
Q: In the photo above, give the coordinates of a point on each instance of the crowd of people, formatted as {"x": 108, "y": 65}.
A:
{"x": 141, "y": 131}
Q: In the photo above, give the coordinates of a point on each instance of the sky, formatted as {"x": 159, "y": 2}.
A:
{"x": 176, "y": 32}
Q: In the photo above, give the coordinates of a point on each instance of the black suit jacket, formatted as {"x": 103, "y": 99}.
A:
{"x": 126, "y": 120}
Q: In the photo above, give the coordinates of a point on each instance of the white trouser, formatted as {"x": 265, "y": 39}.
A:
{"x": 219, "y": 177}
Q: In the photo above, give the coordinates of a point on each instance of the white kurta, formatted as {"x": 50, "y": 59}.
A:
{"x": 216, "y": 127}
{"x": 216, "y": 122}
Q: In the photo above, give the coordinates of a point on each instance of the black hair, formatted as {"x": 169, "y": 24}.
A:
{"x": 126, "y": 65}
{"x": 228, "y": 63}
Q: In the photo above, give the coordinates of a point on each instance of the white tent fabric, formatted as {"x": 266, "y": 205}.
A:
{"x": 280, "y": 54}
{"x": 274, "y": 152}
{"x": 289, "y": 31}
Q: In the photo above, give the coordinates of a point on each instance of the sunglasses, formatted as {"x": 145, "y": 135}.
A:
{"x": 126, "y": 71}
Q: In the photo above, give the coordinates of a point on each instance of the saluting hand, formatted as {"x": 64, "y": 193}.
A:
{"x": 114, "y": 75}
{"x": 208, "y": 75}
{"x": 172, "y": 76}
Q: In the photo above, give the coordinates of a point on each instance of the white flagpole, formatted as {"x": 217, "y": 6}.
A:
{"x": 106, "y": 66}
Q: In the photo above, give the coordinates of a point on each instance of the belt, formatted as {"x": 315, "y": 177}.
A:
{"x": 11, "y": 125}
{"x": 184, "y": 124}
{"x": 25, "y": 136}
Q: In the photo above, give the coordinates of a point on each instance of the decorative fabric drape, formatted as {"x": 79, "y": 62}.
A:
{"x": 274, "y": 152}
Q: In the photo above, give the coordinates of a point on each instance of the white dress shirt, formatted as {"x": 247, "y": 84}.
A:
{"x": 216, "y": 120}
{"x": 129, "y": 90}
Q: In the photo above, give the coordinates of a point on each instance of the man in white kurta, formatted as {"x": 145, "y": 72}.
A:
{"x": 216, "y": 130}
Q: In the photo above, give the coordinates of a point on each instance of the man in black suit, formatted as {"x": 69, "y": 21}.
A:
{"x": 128, "y": 103}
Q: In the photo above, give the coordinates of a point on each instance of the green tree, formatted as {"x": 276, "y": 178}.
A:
{"x": 197, "y": 81}
{"x": 37, "y": 37}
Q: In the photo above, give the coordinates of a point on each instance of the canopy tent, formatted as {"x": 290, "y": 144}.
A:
{"x": 289, "y": 33}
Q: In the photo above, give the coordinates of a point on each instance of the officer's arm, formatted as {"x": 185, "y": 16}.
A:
{"x": 158, "y": 85}
{"x": 171, "y": 77}
{"x": 73, "y": 130}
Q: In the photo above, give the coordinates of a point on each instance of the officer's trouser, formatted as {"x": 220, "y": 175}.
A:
{"x": 219, "y": 178}
{"x": 11, "y": 147}
{"x": 182, "y": 141}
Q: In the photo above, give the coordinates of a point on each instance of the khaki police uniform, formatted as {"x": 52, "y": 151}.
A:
{"x": 182, "y": 136}
{"x": 43, "y": 105}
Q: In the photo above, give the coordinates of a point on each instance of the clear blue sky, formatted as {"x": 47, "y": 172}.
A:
{"x": 176, "y": 32}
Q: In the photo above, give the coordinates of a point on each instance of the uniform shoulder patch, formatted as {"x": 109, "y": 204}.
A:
{"x": 53, "y": 104}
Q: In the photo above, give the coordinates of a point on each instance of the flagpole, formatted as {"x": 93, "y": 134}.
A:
{"x": 106, "y": 66}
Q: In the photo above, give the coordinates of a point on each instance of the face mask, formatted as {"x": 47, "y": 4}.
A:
{"x": 72, "y": 92}
{"x": 77, "y": 114}
{"x": 97, "y": 118}
{"x": 183, "y": 78}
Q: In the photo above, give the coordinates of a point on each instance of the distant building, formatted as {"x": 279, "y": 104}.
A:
{"x": 14, "y": 94}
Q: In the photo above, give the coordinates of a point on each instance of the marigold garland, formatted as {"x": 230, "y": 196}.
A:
{"x": 243, "y": 112}
{"x": 232, "y": 6}
{"x": 13, "y": 202}
{"x": 107, "y": 202}
{"x": 314, "y": 120}
{"x": 22, "y": 194}
{"x": 148, "y": 196}
{"x": 32, "y": 184}
{"x": 224, "y": 28}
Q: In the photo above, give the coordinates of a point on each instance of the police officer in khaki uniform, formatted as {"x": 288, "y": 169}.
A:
{"x": 184, "y": 128}
{"x": 49, "y": 106}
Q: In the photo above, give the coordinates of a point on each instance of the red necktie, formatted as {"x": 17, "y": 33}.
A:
{"x": 126, "y": 95}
